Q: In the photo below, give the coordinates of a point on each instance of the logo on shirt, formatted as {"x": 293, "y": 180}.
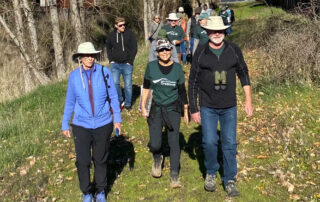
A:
{"x": 203, "y": 32}
{"x": 172, "y": 33}
{"x": 164, "y": 82}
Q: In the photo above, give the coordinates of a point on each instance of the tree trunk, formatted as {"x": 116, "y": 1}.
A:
{"x": 151, "y": 9}
{"x": 18, "y": 21}
{"x": 15, "y": 40}
{"x": 40, "y": 76}
{"x": 82, "y": 13}
{"x": 145, "y": 20}
{"x": 158, "y": 9}
{"x": 32, "y": 32}
{"x": 57, "y": 44}
{"x": 28, "y": 82}
{"x": 76, "y": 21}
{"x": 163, "y": 12}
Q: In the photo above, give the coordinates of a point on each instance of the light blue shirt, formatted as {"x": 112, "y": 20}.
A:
{"x": 78, "y": 103}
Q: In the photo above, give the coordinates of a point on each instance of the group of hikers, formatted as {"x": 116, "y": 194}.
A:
{"x": 94, "y": 99}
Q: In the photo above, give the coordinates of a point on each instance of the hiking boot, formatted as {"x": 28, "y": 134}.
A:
{"x": 231, "y": 189}
{"x": 210, "y": 183}
{"x": 175, "y": 182}
{"x": 157, "y": 166}
{"x": 223, "y": 77}
{"x": 87, "y": 198}
{"x": 216, "y": 80}
{"x": 128, "y": 108}
{"x": 101, "y": 197}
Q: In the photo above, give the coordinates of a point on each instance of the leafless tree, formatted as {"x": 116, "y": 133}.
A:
{"x": 76, "y": 21}
{"x": 57, "y": 44}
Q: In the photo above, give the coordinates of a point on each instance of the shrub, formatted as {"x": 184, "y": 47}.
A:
{"x": 290, "y": 48}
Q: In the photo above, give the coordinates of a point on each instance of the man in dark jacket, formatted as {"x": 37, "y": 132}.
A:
{"x": 121, "y": 51}
{"x": 212, "y": 78}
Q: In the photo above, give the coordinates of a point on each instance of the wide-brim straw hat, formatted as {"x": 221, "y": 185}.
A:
{"x": 172, "y": 16}
{"x": 85, "y": 48}
{"x": 215, "y": 23}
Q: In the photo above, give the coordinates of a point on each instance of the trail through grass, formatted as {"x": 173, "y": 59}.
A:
{"x": 278, "y": 148}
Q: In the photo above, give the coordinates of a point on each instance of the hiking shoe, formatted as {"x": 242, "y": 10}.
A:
{"x": 157, "y": 166}
{"x": 216, "y": 80}
{"x": 231, "y": 189}
{"x": 128, "y": 108}
{"x": 87, "y": 198}
{"x": 175, "y": 182}
{"x": 210, "y": 183}
{"x": 223, "y": 77}
{"x": 101, "y": 197}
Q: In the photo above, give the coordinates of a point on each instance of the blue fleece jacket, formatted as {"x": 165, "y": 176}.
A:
{"x": 78, "y": 103}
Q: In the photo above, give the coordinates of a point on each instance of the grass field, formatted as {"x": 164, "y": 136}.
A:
{"x": 278, "y": 148}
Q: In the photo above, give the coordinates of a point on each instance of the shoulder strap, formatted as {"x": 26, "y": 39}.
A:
{"x": 106, "y": 83}
{"x": 155, "y": 30}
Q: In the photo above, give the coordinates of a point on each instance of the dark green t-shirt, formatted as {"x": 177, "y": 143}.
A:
{"x": 217, "y": 52}
{"x": 165, "y": 87}
{"x": 201, "y": 34}
{"x": 174, "y": 33}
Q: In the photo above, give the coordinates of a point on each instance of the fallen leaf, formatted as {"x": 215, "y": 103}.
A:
{"x": 24, "y": 171}
{"x": 262, "y": 157}
{"x": 12, "y": 174}
{"x": 294, "y": 197}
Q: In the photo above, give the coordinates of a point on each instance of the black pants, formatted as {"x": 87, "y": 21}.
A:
{"x": 99, "y": 141}
{"x": 155, "y": 133}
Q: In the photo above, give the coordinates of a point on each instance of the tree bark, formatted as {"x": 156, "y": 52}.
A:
{"x": 57, "y": 44}
{"x": 18, "y": 21}
{"x": 76, "y": 21}
{"x": 145, "y": 20}
{"x": 32, "y": 32}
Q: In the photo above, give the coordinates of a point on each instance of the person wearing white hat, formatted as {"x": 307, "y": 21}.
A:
{"x": 174, "y": 32}
{"x": 91, "y": 93}
{"x": 213, "y": 80}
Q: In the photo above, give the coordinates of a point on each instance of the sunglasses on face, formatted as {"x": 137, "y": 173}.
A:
{"x": 216, "y": 31}
{"x": 122, "y": 25}
{"x": 164, "y": 49}
{"x": 86, "y": 56}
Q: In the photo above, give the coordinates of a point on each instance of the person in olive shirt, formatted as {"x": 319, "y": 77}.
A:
{"x": 174, "y": 32}
{"x": 200, "y": 36}
{"x": 213, "y": 80}
{"x": 169, "y": 100}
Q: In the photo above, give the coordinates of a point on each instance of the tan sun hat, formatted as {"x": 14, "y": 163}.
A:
{"x": 172, "y": 16}
{"x": 215, "y": 23}
{"x": 85, "y": 48}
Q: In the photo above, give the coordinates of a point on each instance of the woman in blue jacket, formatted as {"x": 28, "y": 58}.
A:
{"x": 88, "y": 99}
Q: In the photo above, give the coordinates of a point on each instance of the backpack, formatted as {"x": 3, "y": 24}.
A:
{"x": 232, "y": 16}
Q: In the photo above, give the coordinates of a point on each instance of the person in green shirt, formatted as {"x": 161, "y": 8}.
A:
{"x": 201, "y": 36}
{"x": 165, "y": 79}
{"x": 174, "y": 32}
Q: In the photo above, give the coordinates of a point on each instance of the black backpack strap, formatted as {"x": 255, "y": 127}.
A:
{"x": 106, "y": 83}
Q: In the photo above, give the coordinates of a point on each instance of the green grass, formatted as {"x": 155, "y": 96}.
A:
{"x": 282, "y": 135}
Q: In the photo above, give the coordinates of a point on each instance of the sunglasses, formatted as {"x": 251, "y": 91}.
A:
{"x": 164, "y": 49}
{"x": 86, "y": 56}
{"x": 216, "y": 31}
{"x": 122, "y": 25}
